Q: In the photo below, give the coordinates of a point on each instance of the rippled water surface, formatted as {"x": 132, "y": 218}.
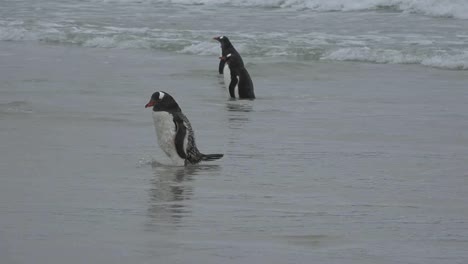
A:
{"x": 334, "y": 163}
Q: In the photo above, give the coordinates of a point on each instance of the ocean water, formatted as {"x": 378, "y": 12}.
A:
{"x": 432, "y": 33}
{"x": 353, "y": 152}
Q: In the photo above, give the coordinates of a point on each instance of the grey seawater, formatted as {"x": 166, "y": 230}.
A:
{"x": 379, "y": 31}
{"x": 333, "y": 163}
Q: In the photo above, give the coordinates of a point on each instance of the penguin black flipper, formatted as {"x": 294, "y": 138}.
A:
{"x": 221, "y": 66}
{"x": 192, "y": 154}
{"x": 232, "y": 84}
{"x": 181, "y": 131}
{"x": 226, "y": 48}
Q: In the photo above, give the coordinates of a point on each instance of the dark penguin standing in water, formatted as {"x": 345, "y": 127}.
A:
{"x": 238, "y": 82}
{"x": 226, "y": 48}
{"x": 174, "y": 132}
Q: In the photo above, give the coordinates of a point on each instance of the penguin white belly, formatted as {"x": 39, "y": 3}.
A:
{"x": 165, "y": 132}
{"x": 227, "y": 76}
{"x": 227, "y": 80}
{"x": 236, "y": 89}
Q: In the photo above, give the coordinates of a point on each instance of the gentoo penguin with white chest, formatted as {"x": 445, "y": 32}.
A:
{"x": 226, "y": 48}
{"x": 238, "y": 82}
{"x": 174, "y": 132}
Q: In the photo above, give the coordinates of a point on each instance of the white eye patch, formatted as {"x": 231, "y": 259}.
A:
{"x": 221, "y": 37}
{"x": 161, "y": 95}
{"x": 229, "y": 55}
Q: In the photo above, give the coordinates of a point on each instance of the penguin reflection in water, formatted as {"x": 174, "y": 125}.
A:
{"x": 237, "y": 81}
{"x": 174, "y": 132}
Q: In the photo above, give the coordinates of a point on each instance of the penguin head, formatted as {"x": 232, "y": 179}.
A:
{"x": 162, "y": 101}
{"x": 223, "y": 40}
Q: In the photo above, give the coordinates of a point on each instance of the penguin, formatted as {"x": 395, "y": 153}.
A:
{"x": 174, "y": 131}
{"x": 238, "y": 82}
{"x": 226, "y": 48}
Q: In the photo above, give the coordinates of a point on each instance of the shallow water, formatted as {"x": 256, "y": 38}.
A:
{"x": 333, "y": 163}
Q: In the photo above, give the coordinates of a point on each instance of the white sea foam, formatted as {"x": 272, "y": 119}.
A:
{"x": 445, "y": 8}
{"x": 101, "y": 42}
{"x": 452, "y": 62}
{"x": 16, "y": 33}
{"x": 436, "y": 49}
{"x": 201, "y": 48}
{"x": 318, "y": 46}
{"x": 371, "y": 55}
{"x": 457, "y": 61}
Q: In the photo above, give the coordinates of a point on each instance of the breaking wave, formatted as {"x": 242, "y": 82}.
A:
{"x": 441, "y": 60}
{"x": 413, "y": 49}
{"x": 438, "y": 8}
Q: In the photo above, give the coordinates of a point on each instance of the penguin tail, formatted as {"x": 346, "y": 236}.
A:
{"x": 210, "y": 157}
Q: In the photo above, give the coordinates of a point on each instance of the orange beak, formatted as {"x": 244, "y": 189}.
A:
{"x": 150, "y": 103}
